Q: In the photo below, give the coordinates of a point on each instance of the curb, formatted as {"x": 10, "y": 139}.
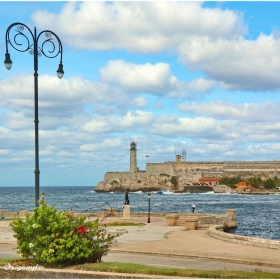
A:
{"x": 72, "y": 274}
{"x": 186, "y": 256}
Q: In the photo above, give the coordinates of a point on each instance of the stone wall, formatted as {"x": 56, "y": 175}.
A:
{"x": 221, "y": 168}
{"x": 120, "y": 181}
{"x": 197, "y": 189}
{"x": 158, "y": 175}
{"x": 216, "y": 231}
{"x": 221, "y": 189}
{"x": 204, "y": 220}
{"x": 160, "y": 168}
{"x": 5, "y": 214}
{"x": 196, "y": 166}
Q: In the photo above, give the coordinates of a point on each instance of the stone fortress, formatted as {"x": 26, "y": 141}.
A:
{"x": 183, "y": 176}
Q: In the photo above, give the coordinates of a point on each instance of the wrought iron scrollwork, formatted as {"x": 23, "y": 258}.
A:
{"x": 47, "y": 42}
{"x": 53, "y": 50}
{"x": 15, "y": 42}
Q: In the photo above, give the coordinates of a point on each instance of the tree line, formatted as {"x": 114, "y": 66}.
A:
{"x": 255, "y": 182}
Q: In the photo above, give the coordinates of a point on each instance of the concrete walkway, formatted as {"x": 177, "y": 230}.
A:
{"x": 158, "y": 239}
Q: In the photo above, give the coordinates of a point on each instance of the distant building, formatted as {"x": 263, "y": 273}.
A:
{"x": 209, "y": 181}
{"x": 243, "y": 185}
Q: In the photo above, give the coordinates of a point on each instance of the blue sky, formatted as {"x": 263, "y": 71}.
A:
{"x": 200, "y": 76}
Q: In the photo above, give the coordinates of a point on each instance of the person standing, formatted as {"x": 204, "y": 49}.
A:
{"x": 193, "y": 207}
{"x": 126, "y": 198}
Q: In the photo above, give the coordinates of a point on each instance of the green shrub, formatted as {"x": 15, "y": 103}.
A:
{"x": 230, "y": 181}
{"x": 114, "y": 182}
{"x": 174, "y": 180}
{"x": 60, "y": 238}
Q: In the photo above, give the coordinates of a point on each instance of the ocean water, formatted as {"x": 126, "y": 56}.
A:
{"x": 257, "y": 215}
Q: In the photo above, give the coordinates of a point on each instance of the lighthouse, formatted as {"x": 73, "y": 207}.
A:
{"x": 133, "y": 159}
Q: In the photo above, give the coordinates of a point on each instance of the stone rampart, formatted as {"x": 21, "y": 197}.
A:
{"x": 197, "y": 189}
{"x": 219, "y": 169}
{"x": 135, "y": 181}
{"x": 203, "y": 220}
{"x": 9, "y": 215}
{"x": 158, "y": 176}
{"x": 195, "y": 166}
{"x": 160, "y": 168}
{"x": 111, "y": 175}
{"x": 221, "y": 189}
{"x": 217, "y": 231}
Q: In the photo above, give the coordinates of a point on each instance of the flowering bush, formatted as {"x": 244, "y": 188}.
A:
{"x": 53, "y": 237}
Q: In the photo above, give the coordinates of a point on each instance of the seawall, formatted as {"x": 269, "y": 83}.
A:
{"x": 217, "y": 231}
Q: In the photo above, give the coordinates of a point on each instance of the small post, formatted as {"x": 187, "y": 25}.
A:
{"x": 149, "y": 207}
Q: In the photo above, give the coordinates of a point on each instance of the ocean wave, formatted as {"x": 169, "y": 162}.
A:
{"x": 211, "y": 192}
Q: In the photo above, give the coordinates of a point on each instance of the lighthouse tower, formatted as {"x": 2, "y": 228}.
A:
{"x": 133, "y": 159}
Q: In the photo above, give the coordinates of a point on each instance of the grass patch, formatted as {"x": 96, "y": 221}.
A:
{"x": 132, "y": 268}
{"x": 117, "y": 223}
{"x": 143, "y": 269}
{"x": 3, "y": 262}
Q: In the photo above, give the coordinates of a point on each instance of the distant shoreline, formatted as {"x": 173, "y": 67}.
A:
{"x": 259, "y": 193}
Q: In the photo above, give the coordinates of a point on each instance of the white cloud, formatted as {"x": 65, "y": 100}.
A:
{"x": 138, "y": 78}
{"x": 246, "y": 112}
{"x": 132, "y": 120}
{"x": 208, "y": 40}
{"x": 143, "y": 27}
{"x": 236, "y": 64}
{"x": 153, "y": 79}
{"x": 106, "y": 143}
{"x": 192, "y": 89}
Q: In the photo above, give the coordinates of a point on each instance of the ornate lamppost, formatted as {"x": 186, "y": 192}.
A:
{"x": 36, "y": 46}
{"x": 149, "y": 207}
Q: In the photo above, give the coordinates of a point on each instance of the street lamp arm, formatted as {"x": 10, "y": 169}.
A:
{"x": 53, "y": 51}
{"x": 49, "y": 42}
{"x": 20, "y": 28}
{"x": 50, "y": 46}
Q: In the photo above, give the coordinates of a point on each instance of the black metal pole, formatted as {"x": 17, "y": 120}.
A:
{"x": 149, "y": 208}
{"x": 36, "y": 121}
{"x": 32, "y": 47}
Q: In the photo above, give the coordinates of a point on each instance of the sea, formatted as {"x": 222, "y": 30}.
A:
{"x": 257, "y": 215}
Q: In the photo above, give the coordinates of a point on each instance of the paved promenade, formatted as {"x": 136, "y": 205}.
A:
{"x": 158, "y": 239}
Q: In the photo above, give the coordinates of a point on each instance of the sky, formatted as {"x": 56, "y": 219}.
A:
{"x": 199, "y": 76}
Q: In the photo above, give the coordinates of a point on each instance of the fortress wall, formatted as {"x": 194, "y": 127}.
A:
{"x": 120, "y": 175}
{"x": 134, "y": 176}
{"x": 194, "y": 166}
{"x": 252, "y": 165}
{"x": 247, "y": 174}
{"x": 195, "y": 170}
{"x": 160, "y": 168}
